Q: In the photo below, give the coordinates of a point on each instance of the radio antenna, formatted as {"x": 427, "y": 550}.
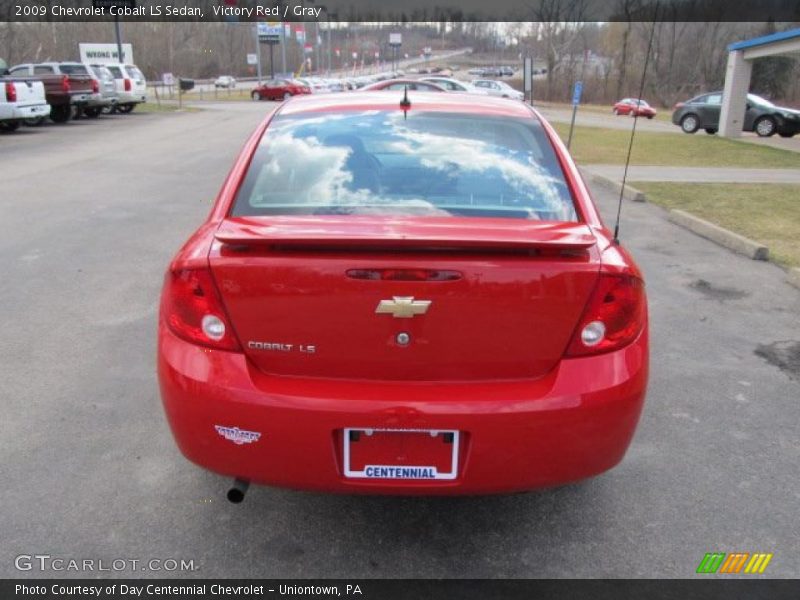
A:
{"x": 635, "y": 120}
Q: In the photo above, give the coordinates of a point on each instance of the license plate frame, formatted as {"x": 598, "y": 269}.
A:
{"x": 369, "y": 470}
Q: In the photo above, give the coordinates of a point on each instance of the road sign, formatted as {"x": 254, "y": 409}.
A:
{"x": 396, "y": 39}
{"x": 528, "y": 73}
{"x": 168, "y": 78}
{"x": 106, "y": 54}
{"x": 576, "y": 93}
{"x": 252, "y": 59}
{"x": 269, "y": 32}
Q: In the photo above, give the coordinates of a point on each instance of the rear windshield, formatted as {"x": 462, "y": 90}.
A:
{"x": 116, "y": 72}
{"x": 73, "y": 69}
{"x": 134, "y": 72}
{"x": 103, "y": 74}
{"x": 430, "y": 163}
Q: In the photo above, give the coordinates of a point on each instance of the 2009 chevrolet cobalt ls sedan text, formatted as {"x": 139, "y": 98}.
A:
{"x": 406, "y": 295}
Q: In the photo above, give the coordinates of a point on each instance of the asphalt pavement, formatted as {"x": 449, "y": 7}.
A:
{"x": 92, "y": 211}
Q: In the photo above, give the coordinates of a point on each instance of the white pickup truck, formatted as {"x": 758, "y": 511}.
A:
{"x": 20, "y": 99}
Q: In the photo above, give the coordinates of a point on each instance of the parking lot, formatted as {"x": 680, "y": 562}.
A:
{"x": 92, "y": 213}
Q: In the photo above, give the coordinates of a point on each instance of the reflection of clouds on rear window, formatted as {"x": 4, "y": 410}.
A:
{"x": 381, "y": 162}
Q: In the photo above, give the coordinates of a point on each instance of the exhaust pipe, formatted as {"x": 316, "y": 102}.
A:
{"x": 237, "y": 492}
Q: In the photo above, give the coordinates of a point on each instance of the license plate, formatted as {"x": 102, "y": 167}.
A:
{"x": 404, "y": 454}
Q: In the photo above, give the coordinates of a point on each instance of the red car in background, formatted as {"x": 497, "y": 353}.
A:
{"x": 634, "y": 107}
{"x": 401, "y": 84}
{"x": 279, "y": 89}
{"x": 403, "y": 294}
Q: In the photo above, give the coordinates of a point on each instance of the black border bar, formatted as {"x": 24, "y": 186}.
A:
{"x": 400, "y": 11}
{"x": 412, "y": 589}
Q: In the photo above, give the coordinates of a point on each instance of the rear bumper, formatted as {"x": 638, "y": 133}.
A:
{"x": 131, "y": 97}
{"x": 102, "y": 101}
{"x": 82, "y": 99}
{"x": 574, "y": 423}
{"x": 31, "y": 111}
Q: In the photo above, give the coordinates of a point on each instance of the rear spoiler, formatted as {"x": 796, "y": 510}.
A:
{"x": 412, "y": 232}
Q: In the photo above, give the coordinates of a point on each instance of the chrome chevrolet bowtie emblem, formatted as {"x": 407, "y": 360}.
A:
{"x": 403, "y": 307}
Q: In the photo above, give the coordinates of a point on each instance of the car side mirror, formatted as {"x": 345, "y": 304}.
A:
{"x": 748, "y": 106}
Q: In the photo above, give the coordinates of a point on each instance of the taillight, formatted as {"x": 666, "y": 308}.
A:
{"x": 65, "y": 84}
{"x": 11, "y": 92}
{"x": 127, "y": 85}
{"x": 614, "y": 316}
{"x": 192, "y": 308}
{"x": 95, "y": 86}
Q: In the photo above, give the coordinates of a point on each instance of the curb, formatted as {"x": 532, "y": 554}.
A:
{"x": 630, "y": 193}
{"x": 793, "y": 277}
{"x": 723, "y": 237}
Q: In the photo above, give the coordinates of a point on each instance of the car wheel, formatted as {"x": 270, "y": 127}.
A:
{"x": 650, "y": 116}
{"x": 109, "y": 110}
{"x": 690, "y": 124}
{"x": 256, "y": 96}
{"x": 286, "y": 96}
{"x": 785, "y": 135}
{"x": 92, "y": 113}
{"x": 9, "y": 125}
{"x": 61, "y": 113}
{"x": 125, "y": 108}
{"x": 765, "y": 127}
{"x": 37, "y": 122}
{"x": 710, "y": 130}
{"x": 616, "y": 112}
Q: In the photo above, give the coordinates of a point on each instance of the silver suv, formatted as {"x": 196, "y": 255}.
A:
{"x": 108, "y": 97}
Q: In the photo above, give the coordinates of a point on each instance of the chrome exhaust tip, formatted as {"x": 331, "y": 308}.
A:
{"x": 238, "y": 490}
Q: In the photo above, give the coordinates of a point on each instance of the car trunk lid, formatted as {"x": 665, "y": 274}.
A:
{"x": 404, "y": 298}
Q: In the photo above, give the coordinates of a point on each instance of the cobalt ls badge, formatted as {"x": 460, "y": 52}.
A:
{"x": 238, "y": 436}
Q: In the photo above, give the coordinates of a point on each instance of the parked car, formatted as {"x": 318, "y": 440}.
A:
{"x": 314, "y": 85}
{"x": 68, "y": 87}
{"x": 335, "y": 85}
{"x": 433, "y": 280}
{"x": 225, "y": 81}
{"x": 279, "y": 89}
{"x": 401, "y": 84}
{"x": 108, "y": 98}
{"x": 20, "y": 99}
{"x": 131, "y": 86}
{"x": 454, "y": 85}
{"x": 634, "y": 107}
{"x": 498, "y": 88}
{"x": 761, "y": 116}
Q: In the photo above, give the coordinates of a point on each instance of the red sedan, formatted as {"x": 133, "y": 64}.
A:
{"x": 279, "y": 89}
{"x": 634, "y": 107}
{"x": 403, "y": 297}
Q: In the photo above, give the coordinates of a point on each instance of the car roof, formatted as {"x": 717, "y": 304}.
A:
{"x": 386, "y": 100}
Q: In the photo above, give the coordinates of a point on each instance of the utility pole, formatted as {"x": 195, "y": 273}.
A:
{"x": 119, "y": 39}
{"x": 258, "y": 52}
{"x": 283, "y": 43}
